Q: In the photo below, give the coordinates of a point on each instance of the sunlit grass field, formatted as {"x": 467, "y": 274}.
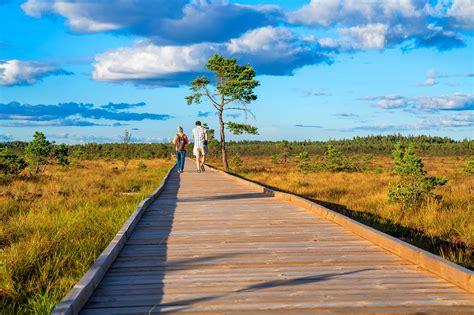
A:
{"x": 444, "y": 227}
{"x": 53, "y": 227}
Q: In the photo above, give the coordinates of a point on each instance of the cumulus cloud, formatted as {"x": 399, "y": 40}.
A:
{"x": 432, "y": 77}
{"x": 388, "y": 101}
{"x": 148, "y": 63}
{"x": 443, "y": 122}
{"x": 71, "y": 114}
{"x": 15, "y": 72}
{"x": 177, "y": 21}
{"x": 271, "y": 50}
{"x": 352, "y": 12}
{"x": 370, "y": 36}
{"x": 458, "y": 13}
{"x": 454, "y": 102}
{"x": 385, "y": 24}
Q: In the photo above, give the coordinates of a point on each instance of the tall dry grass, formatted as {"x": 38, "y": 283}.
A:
{"x": 53, "y": 227}
{"x": 444, "y": 227}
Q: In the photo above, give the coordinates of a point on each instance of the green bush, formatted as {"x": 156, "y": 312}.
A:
{"x": 10, "y": 163}
{"x": 469, "y": 167}
{"x": 142, "y": 166}
{"x": 414, "y": 185}
{"x": 38, "y": 152}
{"x": 334, "y": 161}
{"x": 236, "y": 162}
{"x": 61, "y": 153}
{"x": 303, "y": 163}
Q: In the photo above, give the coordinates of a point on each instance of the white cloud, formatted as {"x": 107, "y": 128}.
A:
{"x": 149, "y": 61}
{"x": 462, "y": 12}
{"x": 454, "y": 102}
{"x": 354, "y": 12}
{"x": 461, "y": 120}
{"x": 385, "y": 23}
{"x": 17, "y": 72}
{"x": 427, "y": 82}
{"x": 457, "y": 101}
{"x": 370, "y": 36}
{"x": 271, "y": 50}
{"x": 269, "y": 39}
{"x": 163, "y": 21}
{"x": 431, "y": 76}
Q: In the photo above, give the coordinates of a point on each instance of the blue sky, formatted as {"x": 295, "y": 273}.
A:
{"x": 85, "y": 71}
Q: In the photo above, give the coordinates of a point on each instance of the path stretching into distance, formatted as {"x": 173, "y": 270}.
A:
{"x": 209, "y": 245}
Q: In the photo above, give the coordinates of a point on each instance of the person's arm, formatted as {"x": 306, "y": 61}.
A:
{"x": 186, "y": 140}
{"x": 205, "y": 134}
{"x": 175, "y": 139}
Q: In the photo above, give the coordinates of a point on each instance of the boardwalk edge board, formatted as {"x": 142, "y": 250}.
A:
{"x": 447, "y": 270}
{"x": 75, "y": 299}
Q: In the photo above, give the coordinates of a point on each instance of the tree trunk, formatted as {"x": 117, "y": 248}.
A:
{"x": 223, "y": 151}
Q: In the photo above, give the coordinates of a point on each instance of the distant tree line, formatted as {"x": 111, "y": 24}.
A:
{"x": 377, "y": 145}
{"x": 282, "y": 150}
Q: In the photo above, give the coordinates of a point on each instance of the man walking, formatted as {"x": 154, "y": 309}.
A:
{"x": 200, "y": 146}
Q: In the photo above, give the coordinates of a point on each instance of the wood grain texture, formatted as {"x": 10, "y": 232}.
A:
{"x": 213, "y": 245}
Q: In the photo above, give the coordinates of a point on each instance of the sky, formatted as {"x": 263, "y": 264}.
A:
{"x": 86, "y": 71}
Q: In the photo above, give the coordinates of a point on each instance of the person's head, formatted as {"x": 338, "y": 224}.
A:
{"x": 180, "y": 129}
{"x": 198, "y": 123}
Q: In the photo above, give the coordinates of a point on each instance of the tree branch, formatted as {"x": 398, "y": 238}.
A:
{"x": 216, "y": 105}
{"x": 246, "y": 110}
{"x": 229, "y": 101}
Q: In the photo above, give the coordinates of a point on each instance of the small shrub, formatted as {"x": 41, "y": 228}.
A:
{"x": 236, "y": 162}
{"x": 275, "y": 160}
{"x": 285, "y": 151}
{"x": 142, "y": 166}
{"x": 414, "y": 186}
{"x": 38, "y": 152}
{"x": 303, "y": 163}
{"x": 469, "y": 167}
{"x": 334, "y": 161}
{"x": 10, "y": 163}
{"x": 61, "y": 153}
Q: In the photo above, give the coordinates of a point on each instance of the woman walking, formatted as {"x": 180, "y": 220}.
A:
{"x": 180, "y": 140}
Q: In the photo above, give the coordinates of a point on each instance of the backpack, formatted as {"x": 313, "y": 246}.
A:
{"x": 180, "y": 143}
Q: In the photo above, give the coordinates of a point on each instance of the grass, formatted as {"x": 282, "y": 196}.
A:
{"x": 53, "y": 227}
{"x": 444, "y": 227}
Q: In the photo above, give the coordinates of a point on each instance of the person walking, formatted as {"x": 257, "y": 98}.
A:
{"x": 180, "y": 140}
{"x": 200, "y": 146}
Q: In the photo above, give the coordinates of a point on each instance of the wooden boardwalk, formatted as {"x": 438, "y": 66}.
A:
{"x": 211, "y": 245}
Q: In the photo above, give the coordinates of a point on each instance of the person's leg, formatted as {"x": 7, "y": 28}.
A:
{"x": 203, "y": 161}
{"x": 178, "y": 159}
{"x": 198, "y": 159}
{"x": 181, "y": 160}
